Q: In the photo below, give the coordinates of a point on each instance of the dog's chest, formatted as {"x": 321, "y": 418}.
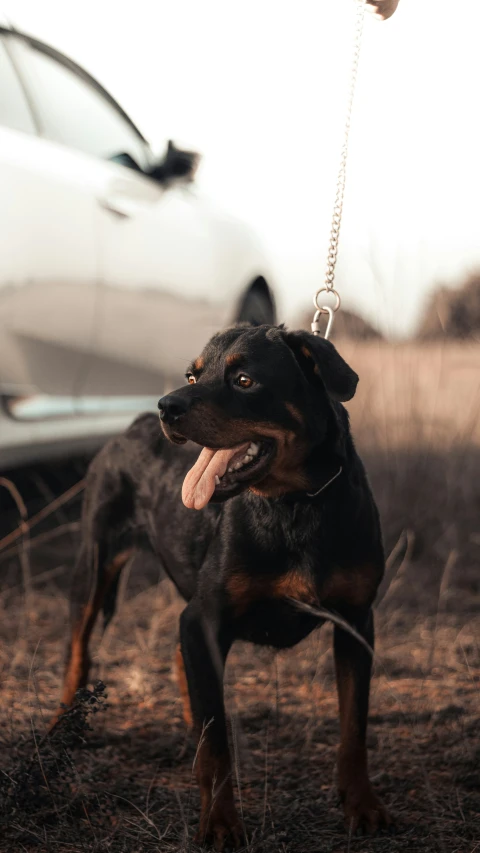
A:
{"x": 280, "y": 609}
{"x": 263, "y": 606}
{"x": 245, "y": 589}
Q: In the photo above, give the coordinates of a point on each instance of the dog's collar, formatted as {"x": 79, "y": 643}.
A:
{"x": 325, "y": 485}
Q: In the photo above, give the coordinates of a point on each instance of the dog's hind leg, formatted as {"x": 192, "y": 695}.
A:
{"x": 107, "y": 544}
{"x": 94, "y": 581}
{"x": 183, "y": 687}
{"x": 109, "y": 605}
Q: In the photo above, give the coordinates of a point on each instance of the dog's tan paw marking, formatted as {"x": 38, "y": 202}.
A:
{"x": 222, "y": 830}
{"x": 364, "y": 811}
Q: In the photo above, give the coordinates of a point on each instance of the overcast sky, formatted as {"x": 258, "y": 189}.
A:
{"x": 259, "y": 87}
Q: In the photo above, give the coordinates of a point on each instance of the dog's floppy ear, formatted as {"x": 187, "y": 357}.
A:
{"x": 319, "y": 357}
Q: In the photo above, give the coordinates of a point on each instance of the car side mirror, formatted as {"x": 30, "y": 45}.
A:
{"x": 175, "y": 164}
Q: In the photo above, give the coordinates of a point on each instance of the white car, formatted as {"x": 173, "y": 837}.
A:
{"x": 111, "y": 279}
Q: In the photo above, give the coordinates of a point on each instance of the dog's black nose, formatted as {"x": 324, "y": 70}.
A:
{"x": 172, "y": 407}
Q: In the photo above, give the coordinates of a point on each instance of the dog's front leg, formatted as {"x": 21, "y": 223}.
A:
{"x": 205, "y": 643}
{"x": 353, "y": 663}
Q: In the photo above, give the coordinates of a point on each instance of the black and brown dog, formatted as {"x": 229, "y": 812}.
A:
{"x": 286, "y": 515}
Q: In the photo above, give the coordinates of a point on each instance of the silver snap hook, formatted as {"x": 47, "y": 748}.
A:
{"x": 325, "y": 309}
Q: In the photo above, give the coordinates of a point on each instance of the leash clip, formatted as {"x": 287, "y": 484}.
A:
{"x": 316, "y": 321}
{"x": 325, "y": 309}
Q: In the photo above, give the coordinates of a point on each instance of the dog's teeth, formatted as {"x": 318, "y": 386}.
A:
{"x": 217, "y": 480}
{"x": 237, "y": 465}
{"x": 230, "y": 470}
{"x": 247, "y": 458}
{"x": 253, "y": 449}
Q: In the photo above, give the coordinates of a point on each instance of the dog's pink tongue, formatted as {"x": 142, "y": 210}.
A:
{"x": 199, "y": 484}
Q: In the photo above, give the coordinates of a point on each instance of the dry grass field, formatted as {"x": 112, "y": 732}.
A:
{"x": 126, "y": 784}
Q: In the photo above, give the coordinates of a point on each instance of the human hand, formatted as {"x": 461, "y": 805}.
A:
{"x": 383, "y": 9}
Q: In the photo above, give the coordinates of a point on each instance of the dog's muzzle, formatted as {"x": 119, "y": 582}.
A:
{"x": 172, "y": 407}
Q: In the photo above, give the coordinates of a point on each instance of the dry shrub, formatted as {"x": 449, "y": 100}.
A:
{"x": 453, "y": 313}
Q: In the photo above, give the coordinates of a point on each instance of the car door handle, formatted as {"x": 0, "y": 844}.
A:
{"x": 115, "y": 207}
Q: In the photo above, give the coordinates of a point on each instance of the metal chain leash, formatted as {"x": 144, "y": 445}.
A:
{"x": 340, "y": 191}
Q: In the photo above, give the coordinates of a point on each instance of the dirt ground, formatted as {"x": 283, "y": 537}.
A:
{"x": 127, "y": 784}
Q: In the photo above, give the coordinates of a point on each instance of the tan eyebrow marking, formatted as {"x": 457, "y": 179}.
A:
{"x": 233, "y": 359}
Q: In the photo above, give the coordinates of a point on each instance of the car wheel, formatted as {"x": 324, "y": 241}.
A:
{"x": 257, "y": 306}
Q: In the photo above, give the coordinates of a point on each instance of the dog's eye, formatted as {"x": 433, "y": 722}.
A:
{"x": 191, "y": 379}
{"x": 244, "y": 381}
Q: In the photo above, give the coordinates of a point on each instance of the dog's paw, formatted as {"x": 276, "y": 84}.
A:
{"x": 364, "y": 811}
{"x": 222, "y": 830}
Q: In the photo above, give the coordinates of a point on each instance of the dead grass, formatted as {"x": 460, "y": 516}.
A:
{"x": 127, "y": 786}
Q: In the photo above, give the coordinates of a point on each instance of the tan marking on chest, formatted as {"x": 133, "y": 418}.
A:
{"x": 244, "y": 589}
{"x": 355, "y": 587}
{"x": 295, "y": 585}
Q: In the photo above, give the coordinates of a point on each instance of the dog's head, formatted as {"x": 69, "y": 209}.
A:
{"x": 260, "y": 400}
